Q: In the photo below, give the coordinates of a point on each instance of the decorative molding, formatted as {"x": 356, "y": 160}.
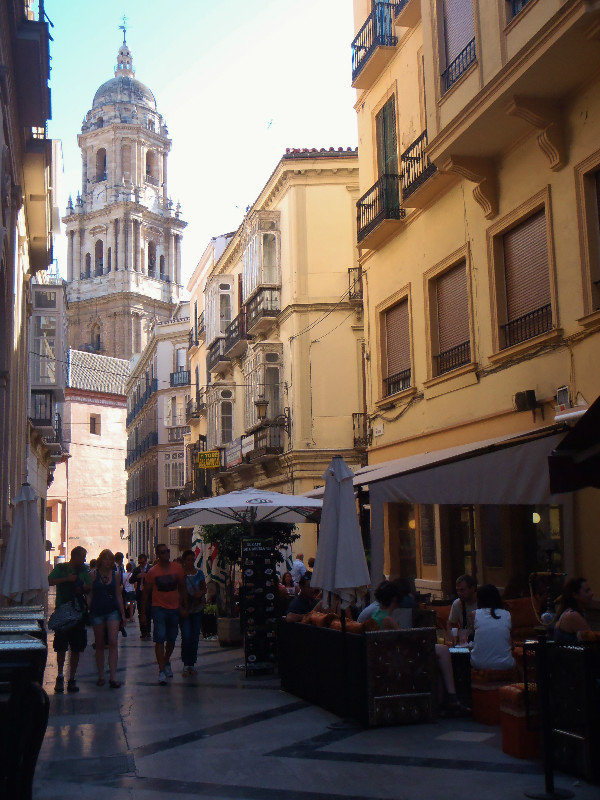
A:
{"x": 482, "y": 172}
{"x": 545, "y": 117}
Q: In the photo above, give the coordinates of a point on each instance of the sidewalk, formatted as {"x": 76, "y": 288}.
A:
{"x": 222, "y": 736}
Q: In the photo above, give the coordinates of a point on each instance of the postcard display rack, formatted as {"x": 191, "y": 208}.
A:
{"x": 258, "y": 606}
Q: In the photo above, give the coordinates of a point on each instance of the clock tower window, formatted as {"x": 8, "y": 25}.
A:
{"x": 100, "y": 165}
{"x": 99, "y": 258}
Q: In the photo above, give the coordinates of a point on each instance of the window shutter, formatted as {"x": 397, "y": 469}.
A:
{"x": 452, "y": 308}
{"x": 397, "y": 339}
{"x": 526, "y": 267}
{"x": 459, "y": 28}
{"x": 387, "y": 146}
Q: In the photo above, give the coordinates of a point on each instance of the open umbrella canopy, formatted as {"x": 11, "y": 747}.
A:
{"x": 340, "y": 564}
{"x": 246, "y": 506}
{"x": 24, "y": 576}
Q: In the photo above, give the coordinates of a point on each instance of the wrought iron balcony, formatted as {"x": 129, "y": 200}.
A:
{"x": 201, "y": 332}
{"x": 516, "y": 6}
{"x": 267, "y": 442}
{"x": 195, "y": 407}
{"x": 177, "y": 434}
{"x": 527, "y": 326}
{"x": 371, "y": 45}
{"x": 139, "y": 404}
{"x": 397, "y": 383}
{"x": 181, "y": 378}
{"x": 416, "y": 166}
{"x": 262, "y": 309}
{"x": 236, "y": 336}
{"x": 139, "y": 503}
{"x": 192, "y": 339}
{"x": 360, "y": 430}
{"x": 149, "y": 441}
{"x": 460, "y": 64}
{"x": 378, "y": 206}
{"x": 355, "y": 289}
{"x": 216, "y": 360}
{"x": 452, "y": 358}
{"x": 41, "y": 410}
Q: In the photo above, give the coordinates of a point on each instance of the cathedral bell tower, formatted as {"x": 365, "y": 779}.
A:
{"x": 123, "y": 231}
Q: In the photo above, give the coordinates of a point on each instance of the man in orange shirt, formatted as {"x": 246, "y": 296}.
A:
{"x": 166, "y": 581}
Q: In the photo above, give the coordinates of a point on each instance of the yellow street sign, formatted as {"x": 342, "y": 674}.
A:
{"x": 210, "y": 459}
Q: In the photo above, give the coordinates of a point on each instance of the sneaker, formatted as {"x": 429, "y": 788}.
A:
{"x": 59, "y": 686}
{"x": 162, "y": 679}
{"x": 168, "y": 671}
{"x": 193, "y": 670}
{"x": 72, "y": 686}
{"x": 186, "y": 672}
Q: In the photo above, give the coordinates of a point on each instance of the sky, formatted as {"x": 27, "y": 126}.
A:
{"x": 237, "y": 81}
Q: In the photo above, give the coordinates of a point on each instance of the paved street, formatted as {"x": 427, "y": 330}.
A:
{"x": 222, "y": 736}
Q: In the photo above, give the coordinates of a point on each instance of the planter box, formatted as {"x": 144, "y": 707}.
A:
{"x": 228, "y": 631}
{"x": 391, "y": 675}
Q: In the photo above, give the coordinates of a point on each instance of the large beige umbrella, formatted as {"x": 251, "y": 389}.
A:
{"x": 340, "y": 565}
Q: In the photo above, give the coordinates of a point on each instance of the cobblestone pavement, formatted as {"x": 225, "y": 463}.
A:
{"x": 222, "y": 736}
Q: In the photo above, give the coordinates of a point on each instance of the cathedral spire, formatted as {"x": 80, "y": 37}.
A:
{"x": 124, "y": 57}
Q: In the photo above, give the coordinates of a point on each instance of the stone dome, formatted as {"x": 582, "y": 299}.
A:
{"x": 124, "y": 89}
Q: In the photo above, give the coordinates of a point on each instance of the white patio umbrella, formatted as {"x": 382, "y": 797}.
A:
{"x": 24, "y": 576}
{"x": 340, "y": 564}
{"x": 246, "y": 506}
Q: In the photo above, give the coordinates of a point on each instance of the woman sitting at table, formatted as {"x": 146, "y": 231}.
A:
{"x": 389, "y": 596}
{"x": 577, "y": 596}
{"x": 492, "y": 645}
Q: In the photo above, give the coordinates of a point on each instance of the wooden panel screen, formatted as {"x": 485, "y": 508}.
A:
{"x": 459, "y": 28}
{"x": 397, "y": 339}
{"x": 387, "y": 144}
{"x": 526, "y": 267}
{"x": 452, "y": 308}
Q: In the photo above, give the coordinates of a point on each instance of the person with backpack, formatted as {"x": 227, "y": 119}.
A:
{"x": 73, "y": 582}
{"x": 107, "y": 614}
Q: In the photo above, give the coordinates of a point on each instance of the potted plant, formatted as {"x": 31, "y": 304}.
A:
{"x": 209, "y": 620}
{"x": 228, "y": 542}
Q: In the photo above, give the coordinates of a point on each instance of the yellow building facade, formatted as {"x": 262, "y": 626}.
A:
{"x": 478, "y": 237}
{"x": 276, "y": 346}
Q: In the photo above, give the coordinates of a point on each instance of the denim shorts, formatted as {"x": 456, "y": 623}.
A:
{"x": 101, "y": 619}
{"x": 166, "y": 624}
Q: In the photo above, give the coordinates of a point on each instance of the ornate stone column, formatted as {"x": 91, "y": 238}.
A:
{"x": 70, "y": 256}
{"x": 177, "y": 259}
{"x": 171, "y": 259}
{"x": 115, "y": 245}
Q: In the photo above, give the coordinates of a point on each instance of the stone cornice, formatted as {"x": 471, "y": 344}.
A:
{"x": 123, "y": 206}
{"x": 125, "y": 128}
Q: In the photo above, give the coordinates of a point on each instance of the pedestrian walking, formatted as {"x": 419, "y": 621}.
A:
{"x": 72, "y": 580}
{"x": 107, "y": 615}
{"x": 129, "y": 592}
{"x": 191, "y": 625}
{"x": 137, "y": 579}
{"x": 166, "y": 581}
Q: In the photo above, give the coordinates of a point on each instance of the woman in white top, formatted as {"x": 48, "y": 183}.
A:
{"x": 128, "y": 593}
{"x": 492, "y": 645}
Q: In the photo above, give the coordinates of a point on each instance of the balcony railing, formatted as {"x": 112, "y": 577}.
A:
{"x": 378, "y": 31}
{"x": 264, "y": 305}
{"x": 177, "y": 434}
{"x": 192, "y": 339}
{"x": 216, "y": 355}
{"x": 137, "y": 406}
{"x": 236, "y": 333}
{"x": 194, "y": 408}
{"x": 397, "y": 383}
{"x": 381, "y": 202}
{"x": 516, "y": 6}
{"x": 182, "y": 377}
{"x": 416, "y": 166}
{"x": 355, "y": 289}
{"x": 151, "y": 440}
{"x": 460, "y": 64}
{"x": 453, "y": 358}
{"x": 145, "y": 501}
{"x": 527, "y": 326}
{"x": 201, "y": 329}
{"x": 267, "y": 441}
{"x": 360, "y": 430}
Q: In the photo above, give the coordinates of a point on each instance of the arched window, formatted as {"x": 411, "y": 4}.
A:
{"x": 88, "y": 266}
{"x": 151, "y": 176}
{"x": 151, "y": 259}
{"x": 101, "y": 164}
{"x": 96, "y": 341}
{"x": 98, "y": 257}
{"x": 126, "y": 161}
{"x": 161, "y": 262}
{"x": 109, "y": 259}
{"x": 99, "y": 122}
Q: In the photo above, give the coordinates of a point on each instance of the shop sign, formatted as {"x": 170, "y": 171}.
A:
{"x": 233, "y": 454}
{"x": 247, "y": 444}
{"x": 209, "y": 459}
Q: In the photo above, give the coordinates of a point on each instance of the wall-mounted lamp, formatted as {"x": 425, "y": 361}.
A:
{"x": 281, "y": 420}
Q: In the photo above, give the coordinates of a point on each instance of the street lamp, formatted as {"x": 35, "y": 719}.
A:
{"x": 281, "y": 420}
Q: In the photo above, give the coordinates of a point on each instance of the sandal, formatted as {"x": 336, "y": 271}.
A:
{"x": 100, "y": 682}
{"x": 114, "y": 684}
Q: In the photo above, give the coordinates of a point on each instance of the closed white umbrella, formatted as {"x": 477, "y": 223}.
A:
{"x": 24, "y": 576}
{"x": 340, "y": 564}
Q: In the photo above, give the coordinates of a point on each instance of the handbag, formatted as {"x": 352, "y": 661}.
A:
{"x": 66, "y": 616}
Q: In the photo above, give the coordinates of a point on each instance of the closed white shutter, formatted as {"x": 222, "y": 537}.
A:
{"x": 526, "y": 269}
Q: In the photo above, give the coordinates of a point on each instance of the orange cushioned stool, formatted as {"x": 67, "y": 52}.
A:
{"x": 517, "y": 740}
{"x": 485, "y": 693}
